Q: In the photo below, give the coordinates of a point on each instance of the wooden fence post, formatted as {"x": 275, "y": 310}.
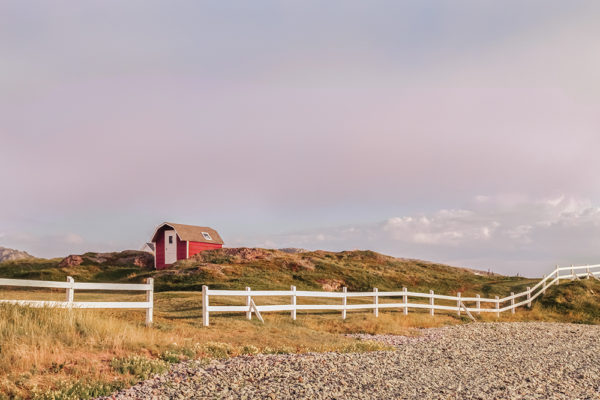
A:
{"x": 587, "y": 270}
{"x": 572, "y": 273}
{"x": 431, "y": 311}
{"x": 344, "y": 302}
{"x": 458, "y": 303}
{"x": 204, "y": 305}
{"x": 544, "y": 285}
{"x": 512, "y": 303}
{"x": 248, "y": 300}
{"x": 557, "y": 276}
{"x": 150, "y": 299}
{"x": 528, "y": 297}
{"x": 405, "y": 299}
{"x": 70, "y": 290}
{"x": 376, "y": 300}
{"x": 478, "y": 304}
{"x": 497, "y": 307}
{"x": 293, "y": 302}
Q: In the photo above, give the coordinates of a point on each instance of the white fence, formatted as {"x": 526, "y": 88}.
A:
{"x": 588, "y": 271}
{"x": 70, "y": 285}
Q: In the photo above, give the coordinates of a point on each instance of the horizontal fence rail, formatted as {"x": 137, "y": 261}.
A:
{"x": 514, "y": 300}
{"x": 70, "y": 286}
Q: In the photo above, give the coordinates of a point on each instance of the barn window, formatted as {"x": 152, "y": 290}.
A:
{"x": 206, "y": 236}
{"x": 170, "y": 239}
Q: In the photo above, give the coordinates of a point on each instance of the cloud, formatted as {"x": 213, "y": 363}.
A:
{"x": 510, "y": 234}
{"x": 244, "y": 119}
{"x": 446, "y": 227}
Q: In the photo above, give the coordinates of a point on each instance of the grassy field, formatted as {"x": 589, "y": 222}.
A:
{"x": 51, "y": 353}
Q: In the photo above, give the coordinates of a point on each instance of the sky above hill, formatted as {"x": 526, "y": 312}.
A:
{"x": 464, "y": 132}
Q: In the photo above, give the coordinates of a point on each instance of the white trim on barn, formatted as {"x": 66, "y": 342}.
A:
{"x": 165, "y": 224}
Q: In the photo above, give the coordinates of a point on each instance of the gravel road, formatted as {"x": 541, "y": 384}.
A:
{"x": 473, "y": 361}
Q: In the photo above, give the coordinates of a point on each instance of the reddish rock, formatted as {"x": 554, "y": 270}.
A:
{"x": 144, "y": 261}
{"x": 71, "y": 261}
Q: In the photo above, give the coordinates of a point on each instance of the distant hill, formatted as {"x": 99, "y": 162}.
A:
{"x": 7, "y": 254}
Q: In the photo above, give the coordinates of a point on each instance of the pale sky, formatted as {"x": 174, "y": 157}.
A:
{"x": 464, "y": 132}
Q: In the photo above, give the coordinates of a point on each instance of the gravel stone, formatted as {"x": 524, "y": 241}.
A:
{"x": 474, "y": 361}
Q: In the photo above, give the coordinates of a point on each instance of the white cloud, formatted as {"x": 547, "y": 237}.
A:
{"x": 508, "y": 234}
{"x": 445, "y": 227}
{"x": 520, "y": 232}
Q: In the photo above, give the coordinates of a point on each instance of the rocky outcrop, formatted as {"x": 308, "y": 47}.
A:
{"x": 7, "y": 254}
{"x": 71, "y": 261}
{"x": 293, "y": 250}
{"x": 140, "y": 259}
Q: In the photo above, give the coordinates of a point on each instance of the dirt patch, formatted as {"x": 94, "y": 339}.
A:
{"x": 330, "y": 285}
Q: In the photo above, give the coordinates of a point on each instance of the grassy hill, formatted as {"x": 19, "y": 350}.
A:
{"x": 69, "y": 354}
{"x": 575, "y": 301}
{"x": 236, "y": 268}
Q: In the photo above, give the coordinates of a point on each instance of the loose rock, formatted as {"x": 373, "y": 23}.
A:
{"x": 473, "y": 361}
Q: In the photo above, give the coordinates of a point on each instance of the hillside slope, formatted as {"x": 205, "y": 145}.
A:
{"x": 322, "y": 270}
{"x": 236, "y": 268}
{"x": 575, "y": 301}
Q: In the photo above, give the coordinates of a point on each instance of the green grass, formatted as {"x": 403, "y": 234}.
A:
{"x": 577, "y": 301}
{"x": 272, "y": 269}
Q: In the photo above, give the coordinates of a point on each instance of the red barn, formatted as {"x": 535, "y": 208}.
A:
{"x": 173, "y": 242}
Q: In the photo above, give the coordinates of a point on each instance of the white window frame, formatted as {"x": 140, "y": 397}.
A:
{"x": 207, "y": 236}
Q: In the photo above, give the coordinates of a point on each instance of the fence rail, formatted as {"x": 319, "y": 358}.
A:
{"x": 589, "y": 271}
{"x": 70, "y": 285}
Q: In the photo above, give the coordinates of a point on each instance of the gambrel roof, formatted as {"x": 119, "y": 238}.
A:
{"x": 192, "y": 233}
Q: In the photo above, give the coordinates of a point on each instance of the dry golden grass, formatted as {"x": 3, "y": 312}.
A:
{"x": 54, "y": 349}
{"x": 46, "y": 348}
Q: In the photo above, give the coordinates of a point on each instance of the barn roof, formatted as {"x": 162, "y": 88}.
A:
{"x": 192, "y": 233}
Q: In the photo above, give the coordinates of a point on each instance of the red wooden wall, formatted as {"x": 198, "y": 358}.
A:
{"x": 197, "y": 247}
{"x": 159, "y": 250}
{"x": 181, "y": 249}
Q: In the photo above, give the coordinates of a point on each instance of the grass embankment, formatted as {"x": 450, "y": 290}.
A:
{"x": 273, "y": 269}
{"x": 46, "y": 353}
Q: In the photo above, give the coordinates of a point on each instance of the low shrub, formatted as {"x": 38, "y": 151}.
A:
{"x": 79, "y": 390}
{"x": 138, "y": 366}
{"x": 218, "y": 350}
{"x": 249, "y": 349}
